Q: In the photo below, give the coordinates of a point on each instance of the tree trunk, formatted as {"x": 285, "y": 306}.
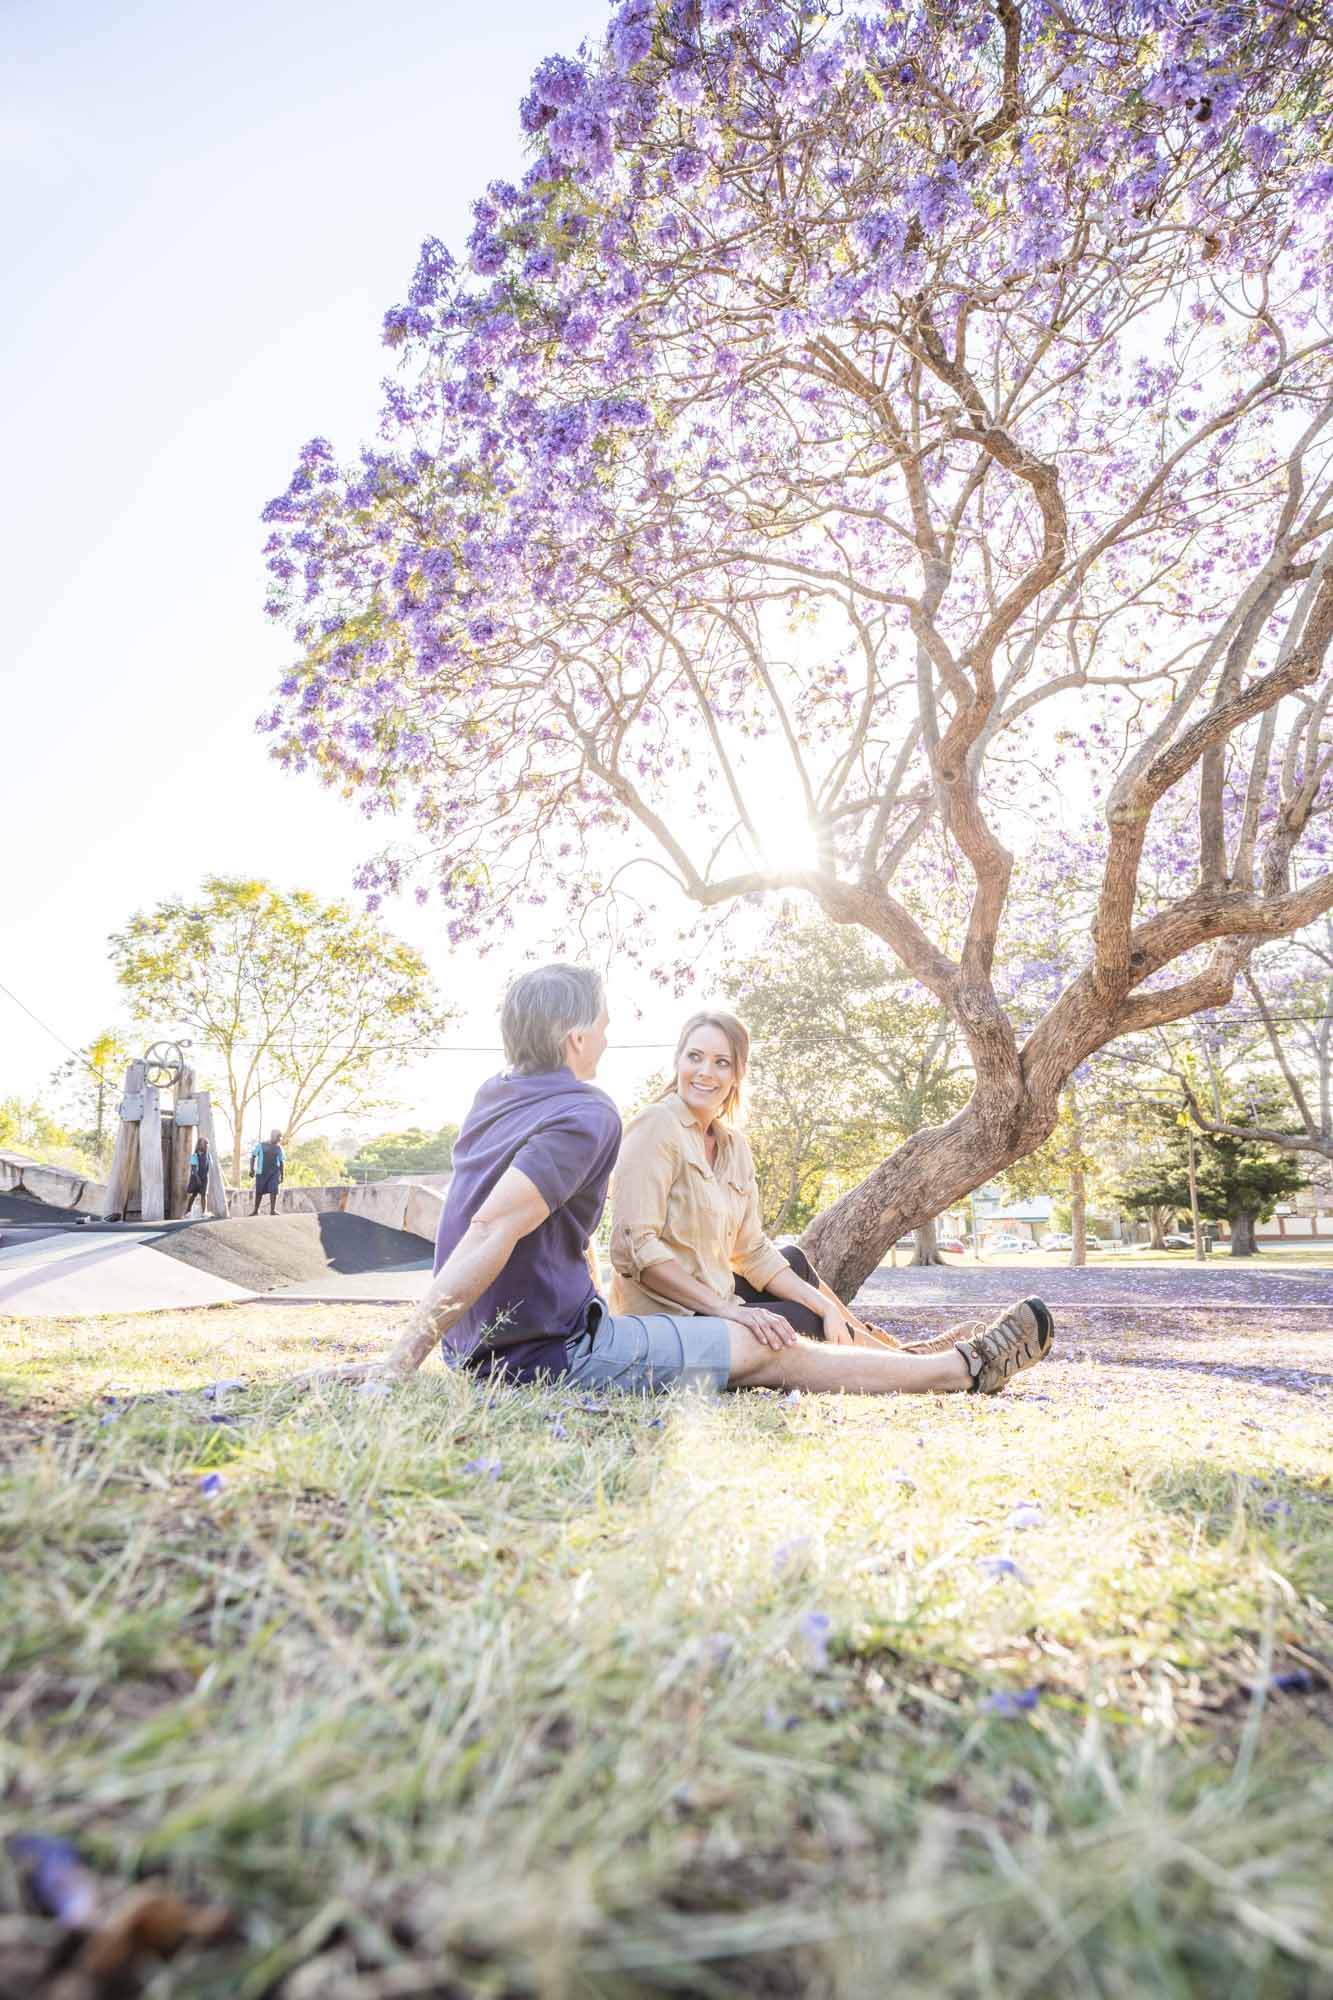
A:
{"x": 927, "y": 1249}
{"x": 1156, "y": 1229}
{"x": 1242, "y": 1222}
{"x": 929, "y": 1174}
{"x": 1078, "y": 1184}
{"x": 1193, "y": 1170}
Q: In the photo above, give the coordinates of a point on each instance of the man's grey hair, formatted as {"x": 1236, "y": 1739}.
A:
{"x": 541, "y": 1008}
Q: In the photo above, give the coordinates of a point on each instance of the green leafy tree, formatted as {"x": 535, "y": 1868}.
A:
{"x": 849, "y": 1053}
{"x": 313, "y": 1163}
{"x": 27, "y": 1127}
{"x": 1239, "y": 1181}
{"x": 91, "y": 1083}
{"x": 308, "y": 1002}
{"x": 410, "y": 1152}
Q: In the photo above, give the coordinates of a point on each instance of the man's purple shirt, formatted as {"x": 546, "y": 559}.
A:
{"x": 565, "y": 1136}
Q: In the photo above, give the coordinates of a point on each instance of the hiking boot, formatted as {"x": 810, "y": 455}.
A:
{"x": 1018, "y": 1338}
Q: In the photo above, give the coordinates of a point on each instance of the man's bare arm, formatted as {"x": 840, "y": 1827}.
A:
{"x": 511, "y": 1211}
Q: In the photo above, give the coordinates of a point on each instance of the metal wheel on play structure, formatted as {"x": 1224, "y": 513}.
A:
{"x": 164, "y": 1065}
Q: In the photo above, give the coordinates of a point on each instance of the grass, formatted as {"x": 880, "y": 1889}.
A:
{"x": 685, "y": 1698}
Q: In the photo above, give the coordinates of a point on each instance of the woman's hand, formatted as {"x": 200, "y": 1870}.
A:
{"x": 768, "y": 1327}
{"x": 840, "y": 1326}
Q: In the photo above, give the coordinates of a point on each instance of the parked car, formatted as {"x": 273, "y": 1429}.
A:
{"x": 1057, "y": 1242}
{"x": 952, "y": 1245}
{"x": 1177, "y": 1241}
{"x": 1006, "y": 1244}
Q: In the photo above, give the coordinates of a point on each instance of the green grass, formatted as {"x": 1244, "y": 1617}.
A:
{"x": 578, "y": 1730}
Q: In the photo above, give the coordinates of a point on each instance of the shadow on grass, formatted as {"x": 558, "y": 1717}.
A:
{"x": 1300, "y": 1381}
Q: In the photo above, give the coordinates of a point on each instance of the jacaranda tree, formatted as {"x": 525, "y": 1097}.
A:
{"x": 924, "y": 410}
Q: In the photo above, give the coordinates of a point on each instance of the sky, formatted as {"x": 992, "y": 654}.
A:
{"x": 204, "y": 214}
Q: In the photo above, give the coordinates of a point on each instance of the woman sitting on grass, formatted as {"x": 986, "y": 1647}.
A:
{"x": 686, "y": 1233}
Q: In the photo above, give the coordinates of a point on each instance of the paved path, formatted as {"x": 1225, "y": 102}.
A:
{"x": 1207, "y": 1285}
{"x": 77, "y": 1275}
{"x": 401, "y": 1284}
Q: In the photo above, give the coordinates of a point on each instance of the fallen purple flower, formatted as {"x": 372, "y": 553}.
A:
{"x": 1027, "y": 1514}
{"x": 483, "y": 1468}
{"x": 57, "y": 1880}
{"x": 1011, "y": 1702}
{"x": 1299, "y": 1681}
{"x": 900, "y": 1478}
{"x": 216, "y": 1389}
{"x": 997, "y": 1566}
{"x": 558, "y": 1430}
{"x": 1280, "y": 1507}
{"x": 654, "y": 1423}
{"x": 786, "y": 1553}
{"x": 373, "y": 1388}
{"x": 815, "y": 1629}
{"x": 210, "y": 1484}
{"x": 221, "y": 1417}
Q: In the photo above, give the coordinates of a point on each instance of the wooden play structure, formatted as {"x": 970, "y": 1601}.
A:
{"x": 151, "y": 1166}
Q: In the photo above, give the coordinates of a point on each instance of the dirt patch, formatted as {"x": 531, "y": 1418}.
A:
{"x": 263, "y": 1251}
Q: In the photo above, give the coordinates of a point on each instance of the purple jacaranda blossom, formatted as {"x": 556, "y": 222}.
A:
{"x": 210, "y": 1485}
{"x": 483, "y": 1468}
{"x": 686, "y": 165}
{"x": 56, "y": 1879}
{"x": 558, "y": 1429}
{"x": 815, "y": 1627}
{"x": 216, "y": 1390}
{"x": 1027, "y": 1514}
{"x": 1297, "y": 1680}
{"x": 786, "y": 1553}
{"x": 488, "y": 256}
{"x": 1010, "y": 1702}
{"x": 630, "y": 37}
{"x": 374, "y": 1388}
{"x": 684, "y": 86}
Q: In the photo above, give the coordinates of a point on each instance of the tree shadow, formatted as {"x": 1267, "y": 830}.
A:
{"x": 1297, "y": 1381}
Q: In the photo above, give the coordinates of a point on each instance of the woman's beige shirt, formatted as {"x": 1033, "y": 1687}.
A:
{"x": 666, "y": 1201}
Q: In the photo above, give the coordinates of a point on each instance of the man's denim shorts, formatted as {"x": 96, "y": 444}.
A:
{"x": 644, "y": 1352}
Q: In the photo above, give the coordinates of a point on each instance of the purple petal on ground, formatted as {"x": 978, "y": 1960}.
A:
{"x": 997, "y": 1566}
{"x": 373, "y": 1388}
{"x": 1027, "y": 1514}
{"x": 786, "y": 1553}
{"x": 558, "y": 1430}
{"x": 1299, "y": 1681}
{"x": 815, "y": 1629}
{"x": 221, "y": 1417}
{"x": 900, "y": 1478}
{"x": 483, "y": 1468}
{"x": 57, "y": 1880}
{"x": 1012, "y": 1701}
{"x": 210, "y": 1484}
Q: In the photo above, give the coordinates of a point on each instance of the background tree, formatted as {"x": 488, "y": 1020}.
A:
{"x": 299, "y": 1000}
{"x": 1239, "y": 1180}
{"x": 92, "y": 1082}
{"x": 411, "y": 1152}
{"x": 313, "y": 1163}
{"x": 896, "y": 414}
{"x": 28, "y": 1127}
{"x": 849, "y": 1056}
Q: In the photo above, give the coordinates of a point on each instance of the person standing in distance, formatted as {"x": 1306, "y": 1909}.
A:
{"x": 266, "y": 1164}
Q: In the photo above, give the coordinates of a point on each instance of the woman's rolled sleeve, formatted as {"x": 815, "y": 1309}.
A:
{"x": 647, "y": 1167}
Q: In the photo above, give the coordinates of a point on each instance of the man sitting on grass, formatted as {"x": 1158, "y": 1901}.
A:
{"x": 514, "y": 1289}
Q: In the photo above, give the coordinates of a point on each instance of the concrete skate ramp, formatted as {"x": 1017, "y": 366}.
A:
{"x": 263, "y": 1253}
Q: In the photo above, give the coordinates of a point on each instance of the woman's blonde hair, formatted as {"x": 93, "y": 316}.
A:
{"x": 738, "y": 1041}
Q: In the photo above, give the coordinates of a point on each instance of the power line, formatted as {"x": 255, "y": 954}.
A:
{"x": 78, "y": 1057}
